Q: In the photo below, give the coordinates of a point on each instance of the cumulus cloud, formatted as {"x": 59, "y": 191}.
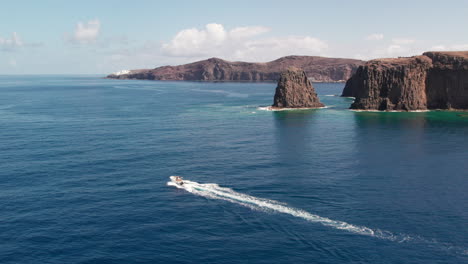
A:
{"x": 85, "y": 33}
{"x": 377, "y": 36}
{"x": 9, "y": 44}
{"x": 193, "y": 42}
{"x": 240, "y": 43}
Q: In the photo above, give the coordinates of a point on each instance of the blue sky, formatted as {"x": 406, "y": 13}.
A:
{"x": 98, "y": 37}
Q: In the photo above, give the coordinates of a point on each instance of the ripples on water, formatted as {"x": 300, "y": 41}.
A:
{"x": 85, "y": 162}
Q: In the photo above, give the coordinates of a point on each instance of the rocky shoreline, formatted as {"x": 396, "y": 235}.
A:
{"x": 434, "y": 80}
{"x": 431, "y": 81}
{"x": 318, "y": 69}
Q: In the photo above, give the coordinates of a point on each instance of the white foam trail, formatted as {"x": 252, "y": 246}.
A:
{"x": 214, "y": 191}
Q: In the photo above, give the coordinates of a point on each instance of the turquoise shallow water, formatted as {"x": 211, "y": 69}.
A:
{"x": 85, "y": 164}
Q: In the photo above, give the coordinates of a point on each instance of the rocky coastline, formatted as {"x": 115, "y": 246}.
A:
{"x": 318, "y": 69}
{"x": 434, "y": 80}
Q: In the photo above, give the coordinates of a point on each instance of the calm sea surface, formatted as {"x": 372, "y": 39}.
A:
{"x": 84, "y": 166}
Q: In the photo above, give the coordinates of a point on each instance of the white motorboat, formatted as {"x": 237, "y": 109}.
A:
{"x": 177, "y": 180}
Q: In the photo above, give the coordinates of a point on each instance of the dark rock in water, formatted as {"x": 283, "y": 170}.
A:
{"x": 294, "y": 90}
{"x": 319, "y": 69}
{"x": 434, "y": 80}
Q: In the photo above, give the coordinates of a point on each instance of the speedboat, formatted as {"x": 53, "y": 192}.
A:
{"x": 177, "y": 180}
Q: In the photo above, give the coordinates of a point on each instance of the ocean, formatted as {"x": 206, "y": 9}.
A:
{"x": 85, "y": 166}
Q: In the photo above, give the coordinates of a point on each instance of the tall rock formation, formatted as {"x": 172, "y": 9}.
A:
{"x": 318, "y": 69}
{"x": 434, "y": 80}
{"x": 447, "y": 80}
{"x": 294, "y": 90}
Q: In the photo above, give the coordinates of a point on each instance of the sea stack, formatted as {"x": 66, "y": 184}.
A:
{"x": 434, "y": 80}
{"x": 294, "y": 90}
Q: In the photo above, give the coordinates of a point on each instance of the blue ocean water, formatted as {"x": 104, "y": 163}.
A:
{"x": 85, "y": 163}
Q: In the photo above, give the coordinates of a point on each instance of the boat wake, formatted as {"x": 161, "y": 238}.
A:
{"x": 214, "y": 191}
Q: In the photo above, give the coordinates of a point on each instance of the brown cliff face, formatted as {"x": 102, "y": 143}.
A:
{"x": 447, "y": 80}
{"x": 435, "y": 80}
{"x": 294, "y": 90}
{"x": 319, "y": 69}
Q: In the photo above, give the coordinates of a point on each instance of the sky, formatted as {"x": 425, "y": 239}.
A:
{"x": 100, "y": 37}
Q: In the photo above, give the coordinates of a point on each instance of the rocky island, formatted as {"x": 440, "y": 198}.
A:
{"x": 294, "y": 90}
{"x": 434, "y": 80}
{"x": 318, "y": 69}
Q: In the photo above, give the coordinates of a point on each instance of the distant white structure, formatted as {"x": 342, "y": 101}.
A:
{"x": 122, "y": 72}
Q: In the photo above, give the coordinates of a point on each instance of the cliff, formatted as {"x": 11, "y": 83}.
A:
{"x": 447, "y": 80}
{"x": 294, "y": 90}
{"x": 434, "y": 80}
{"x": 318, "y": 69}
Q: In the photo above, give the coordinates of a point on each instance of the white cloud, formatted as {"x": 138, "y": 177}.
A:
{"x": 193, "y": 42}
{"x": 85, "y": 33}
{"x": 8, "y": 44}
{"x": 403, "y": 41}
{"x": 240, "y": 43}
{"x": 377, "y": 36}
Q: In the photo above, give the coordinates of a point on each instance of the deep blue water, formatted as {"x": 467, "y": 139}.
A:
{"x": 84, "y": 166}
